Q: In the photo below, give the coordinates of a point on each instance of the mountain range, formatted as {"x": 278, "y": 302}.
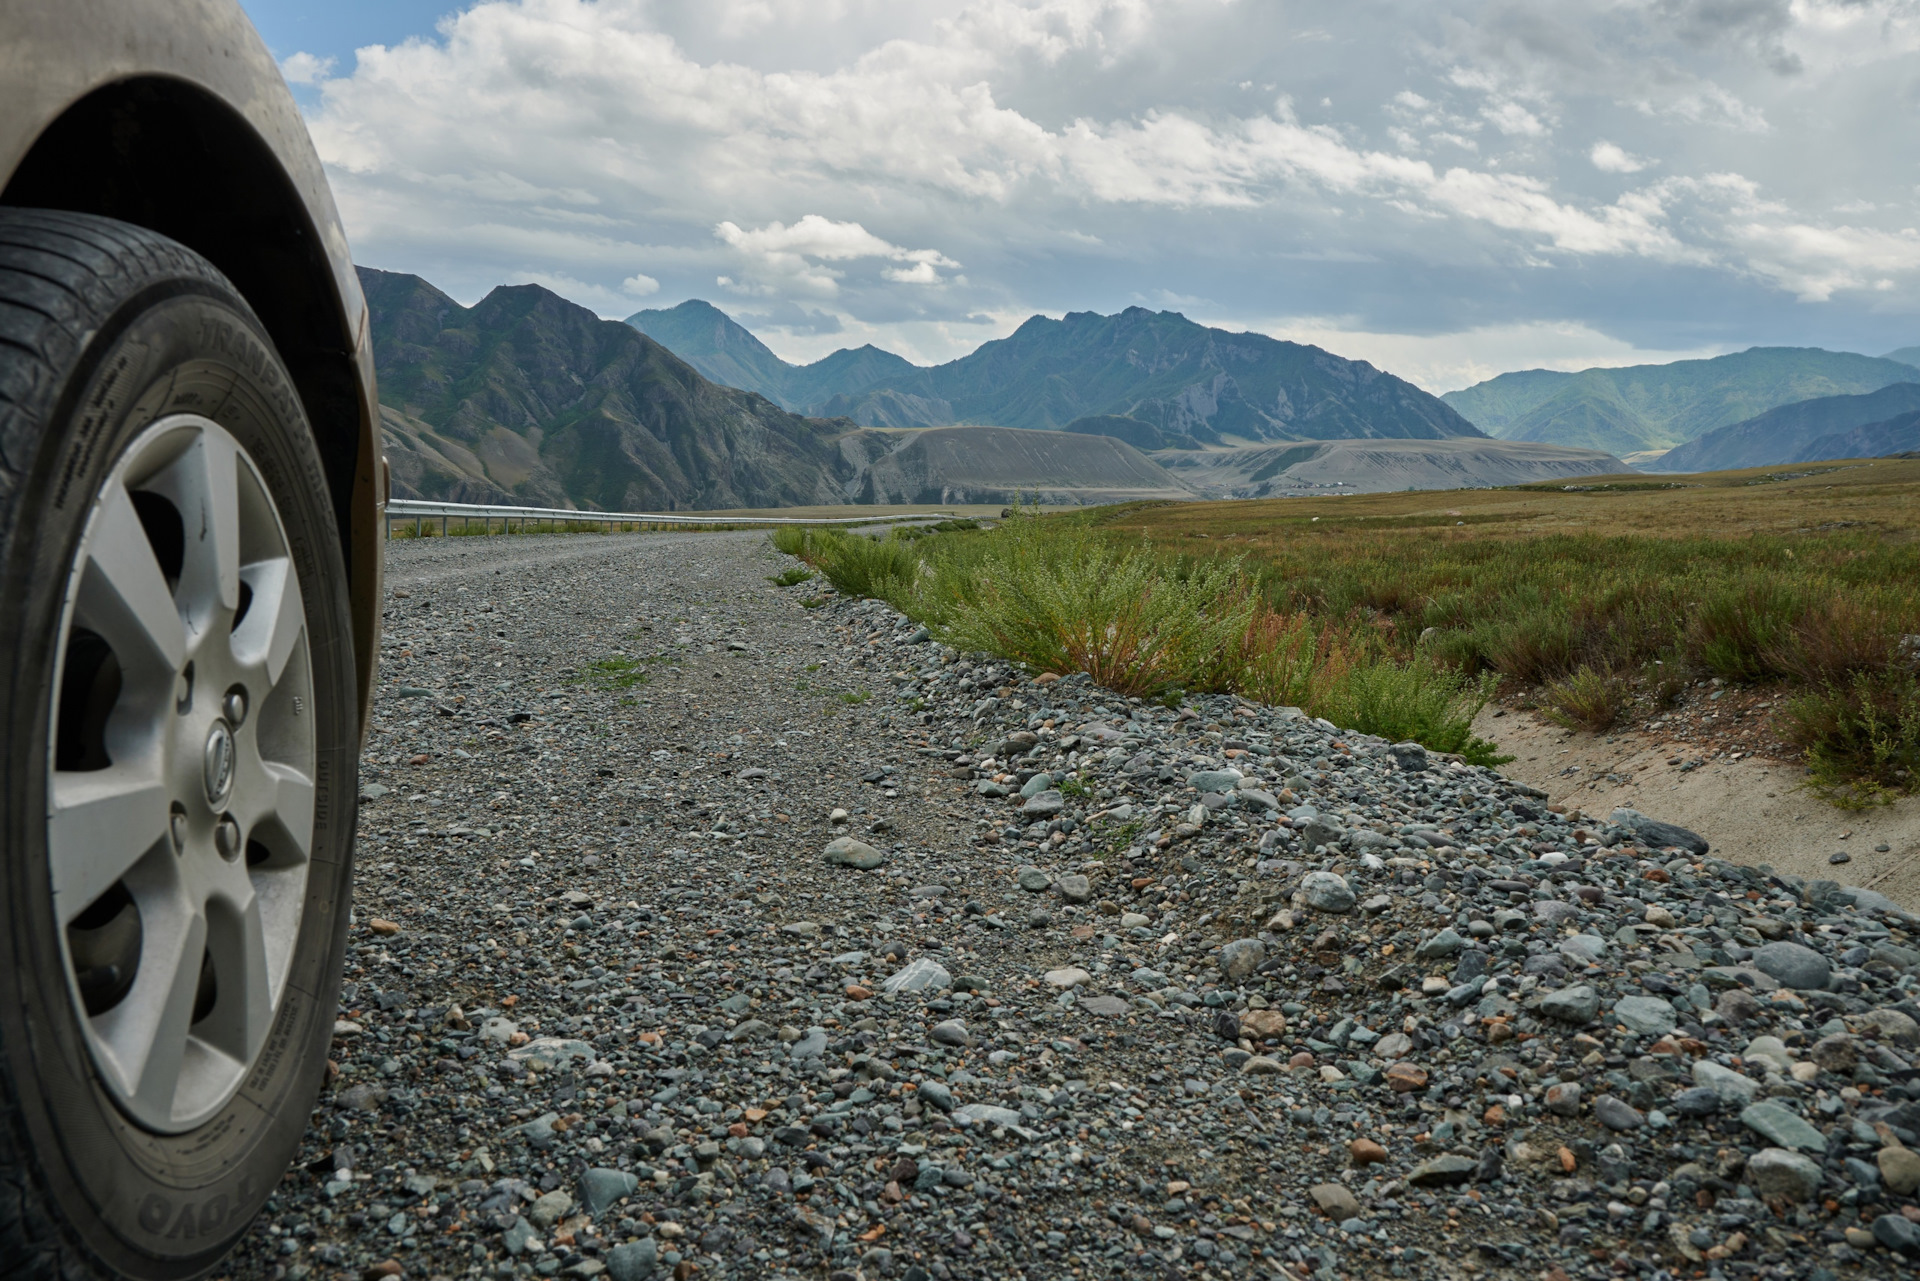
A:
{"x": 528, "y": 397}
{"x": 1190, "y": 383}
{"x": 1643, "y": 408}
{"x": 1825, "y": 427}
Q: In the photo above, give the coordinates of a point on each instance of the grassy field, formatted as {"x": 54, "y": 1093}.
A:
{"x": 1605, "y": 597}
{"x": 1395, "y": 613}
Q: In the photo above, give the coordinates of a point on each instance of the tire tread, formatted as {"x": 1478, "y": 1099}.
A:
{"x": 61, "y": 277}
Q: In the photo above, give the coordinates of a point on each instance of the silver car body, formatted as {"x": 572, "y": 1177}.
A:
{"x": 172, "y": 114}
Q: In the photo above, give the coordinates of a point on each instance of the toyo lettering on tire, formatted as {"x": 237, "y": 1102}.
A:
{"x": 176, "y": 818}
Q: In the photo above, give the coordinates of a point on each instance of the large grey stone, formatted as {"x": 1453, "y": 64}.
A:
{"x": 1731, "y": 1087}
{"x": 1577, "y": 1004}
{"x": 987, "y": 1114}
{"x": 844, "y": 851}
{"x": 936, "y": 1094}
{"x": 1074, "y": 888}
{"x": 518, "y": 1236}
{"x": 1409, "y": 756}
{"x": 1563, "y": 1098}
{"x": 1780, "y": 1126}
{"x": 1033, "y": 880}
{"x": 1896, "y": 1233}
{"x": 1443, "y": 1171}
{"x": 1241, "y": 958}
{"x": 1213, "y": 780}
{"x": 1327, "y": 892}
{"x": 920, "y": 975}
{"x": 1321, "y": 831}
{"x": 1893, "y": 1026}
{"x": 1443, "y": 944}
{"x": 1657, "y": 834}
{"x": 634, "y": 1260}
{"x": 1583, "y": 949}
{"x": 1044, "y": 805}
{"x": 1335, "y": 1200}
{"x": 1617, "y": 1114}
{"x": 1779, "y": 1172}
{"x": 1647, "y": 1015}
{"x": 1900, "y": 1167}
{"x": 1797, "y": 967}
{"x": 1035, "y": 785}
{"x": 549, "y": 1209}
{"x": 601, "y": 1187}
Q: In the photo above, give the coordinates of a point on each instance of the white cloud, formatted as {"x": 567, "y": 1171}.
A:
{"x": 1611, "y": 158}
{"x": 1513, "y": 119}
{"x": 305, "y": 69}
{"x": 777, "y": 254}
{"x": 1075, "y": 153}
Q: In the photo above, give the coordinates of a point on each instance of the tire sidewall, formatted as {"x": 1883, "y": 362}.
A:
{"x": 164, "y": 1206}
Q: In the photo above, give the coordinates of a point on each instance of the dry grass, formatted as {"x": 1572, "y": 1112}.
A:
{"x": 1878, "y": 496}
{"x": 1599, "y": 594}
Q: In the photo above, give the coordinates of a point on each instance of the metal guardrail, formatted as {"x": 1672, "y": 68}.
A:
{"x": 421, "y": 510}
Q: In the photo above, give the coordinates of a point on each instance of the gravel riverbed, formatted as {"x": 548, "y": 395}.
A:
{"x": 707, "y": 927}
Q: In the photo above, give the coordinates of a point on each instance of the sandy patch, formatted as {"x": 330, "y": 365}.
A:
{"x": 1751, "y": 810}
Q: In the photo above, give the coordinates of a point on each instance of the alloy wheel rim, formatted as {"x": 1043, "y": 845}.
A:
{"x": 180, "y": 798}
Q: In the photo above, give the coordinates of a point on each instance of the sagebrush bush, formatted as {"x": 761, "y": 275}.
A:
{"x": 1417, "y": 700}
{"x": 1057, "y": 596}
{"x": 1861, "y": 735}
{"x": 1586, "y": 700}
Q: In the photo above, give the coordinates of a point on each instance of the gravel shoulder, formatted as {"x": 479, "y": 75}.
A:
{"x": 711, "y": 928}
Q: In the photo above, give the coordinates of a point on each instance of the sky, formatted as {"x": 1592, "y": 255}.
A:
{"x": 1447, "y": 189}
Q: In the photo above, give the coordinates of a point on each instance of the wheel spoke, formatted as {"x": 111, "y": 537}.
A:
{"x": 204, "y": 485}
{"x": 123, "y": 594}
{"x": 156, "y": 1070}
{"x": 269, "y": 792}
{"x": 237, "y": 943}
{"x": 102, "y": 823}
{"x": 275, "y": 619}
{"x": 293, "y": 804}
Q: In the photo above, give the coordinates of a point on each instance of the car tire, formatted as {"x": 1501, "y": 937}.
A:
{"x": 163, "y": 1032}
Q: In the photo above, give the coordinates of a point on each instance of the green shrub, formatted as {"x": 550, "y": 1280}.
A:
{"x": 1587, "y": 700}
{"x": 1416, "y": 700}
{"x": 1741, "y": 628}
{"x": 1062, "y": 599}
{"x": 1861, "y": 735}
{"x": 861, "y": 566}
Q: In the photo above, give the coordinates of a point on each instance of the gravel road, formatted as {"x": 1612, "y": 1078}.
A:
{"x": 707, "y": 927}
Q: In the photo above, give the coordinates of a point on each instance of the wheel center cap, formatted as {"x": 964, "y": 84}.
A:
{"x": 216, "y": 773}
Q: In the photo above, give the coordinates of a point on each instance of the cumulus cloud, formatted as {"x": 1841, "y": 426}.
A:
{"x": 305, "y": 69}
{"x": 844, "y": 160}
{"x": 1610, "y": 157}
